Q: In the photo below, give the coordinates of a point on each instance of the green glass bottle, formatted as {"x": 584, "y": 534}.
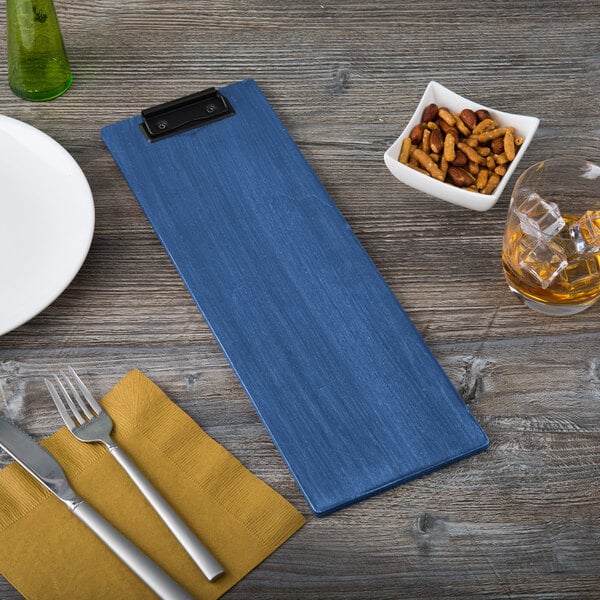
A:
{"x": 38, "y": 67}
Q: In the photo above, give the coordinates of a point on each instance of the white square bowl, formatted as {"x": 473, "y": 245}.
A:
{"x": 435, "y": 93}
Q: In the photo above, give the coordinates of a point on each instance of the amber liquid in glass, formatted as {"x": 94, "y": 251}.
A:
{"x": 578, "y": 282}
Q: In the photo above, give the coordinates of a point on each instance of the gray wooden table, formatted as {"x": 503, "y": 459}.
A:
{"x": 519, "y": 521}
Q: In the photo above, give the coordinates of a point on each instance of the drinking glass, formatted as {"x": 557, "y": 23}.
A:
{"x": 551, "y": 245}
{"x": 38, "y": 68}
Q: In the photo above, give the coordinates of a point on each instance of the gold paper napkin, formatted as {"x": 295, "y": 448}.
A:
{"x": 47, "y": 553}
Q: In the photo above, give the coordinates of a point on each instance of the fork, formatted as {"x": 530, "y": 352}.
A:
{"x": 88, "y": 422}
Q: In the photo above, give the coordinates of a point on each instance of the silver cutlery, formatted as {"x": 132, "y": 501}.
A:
{"x": 42, "y": 465}
{"x": 88, "y": 422}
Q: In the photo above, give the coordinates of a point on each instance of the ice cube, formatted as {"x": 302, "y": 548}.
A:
{"x": 544, "y": 261}
{"x": 539, "y": 218}
{"x": 573, "y": 242}
{"x": 589, "y": 226}
{"x": 579, "y": 275}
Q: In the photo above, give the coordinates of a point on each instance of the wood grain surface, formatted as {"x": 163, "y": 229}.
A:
{"x": 519, "y": 521}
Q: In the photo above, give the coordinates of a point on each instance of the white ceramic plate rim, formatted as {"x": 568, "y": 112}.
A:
{"x": 435, "y": 92}
{"x": 46, "y": 221}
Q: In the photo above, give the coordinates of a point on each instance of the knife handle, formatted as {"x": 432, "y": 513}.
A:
{"x": 186, "y": 537}
{"x": 149, "y": 572}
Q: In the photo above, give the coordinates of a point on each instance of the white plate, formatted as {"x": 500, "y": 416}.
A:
{"x": 46, "y": 221}
{"x": 442, "y": 96}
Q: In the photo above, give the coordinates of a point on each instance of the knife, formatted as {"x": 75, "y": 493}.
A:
{"x": 42, "y": 465}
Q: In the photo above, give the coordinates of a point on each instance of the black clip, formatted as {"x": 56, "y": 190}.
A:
{"x": 185, "y": 113}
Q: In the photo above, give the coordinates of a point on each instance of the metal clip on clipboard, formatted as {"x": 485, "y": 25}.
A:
{"x": 176, "y": 116}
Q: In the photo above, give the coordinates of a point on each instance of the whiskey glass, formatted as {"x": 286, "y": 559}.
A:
{"x": 551, "y": 245}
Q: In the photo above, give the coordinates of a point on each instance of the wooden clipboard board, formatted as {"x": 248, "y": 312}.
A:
{"x": 348, "y": 390}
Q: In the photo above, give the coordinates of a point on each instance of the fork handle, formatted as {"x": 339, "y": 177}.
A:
{"x": 192, "y": 545}
{"x": 149, "y": 572}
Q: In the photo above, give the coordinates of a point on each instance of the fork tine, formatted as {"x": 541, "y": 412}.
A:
{"x": 86, "y": 393}
{"x": 64, "y": 413}
{"x": 82, "y": 404}
{"x": 77, "y": 416}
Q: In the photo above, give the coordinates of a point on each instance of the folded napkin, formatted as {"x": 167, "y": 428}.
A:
{"x": 47, "y": 553}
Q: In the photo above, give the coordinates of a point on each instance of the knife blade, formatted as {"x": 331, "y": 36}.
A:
{"x": 44, "y": 467}
{"x": 35, "y": 459}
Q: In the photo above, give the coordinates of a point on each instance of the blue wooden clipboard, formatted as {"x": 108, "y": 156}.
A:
{"x": 348, "y": 390}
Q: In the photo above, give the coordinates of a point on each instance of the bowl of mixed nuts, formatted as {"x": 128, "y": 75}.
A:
{"x": 458, "y": 150}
